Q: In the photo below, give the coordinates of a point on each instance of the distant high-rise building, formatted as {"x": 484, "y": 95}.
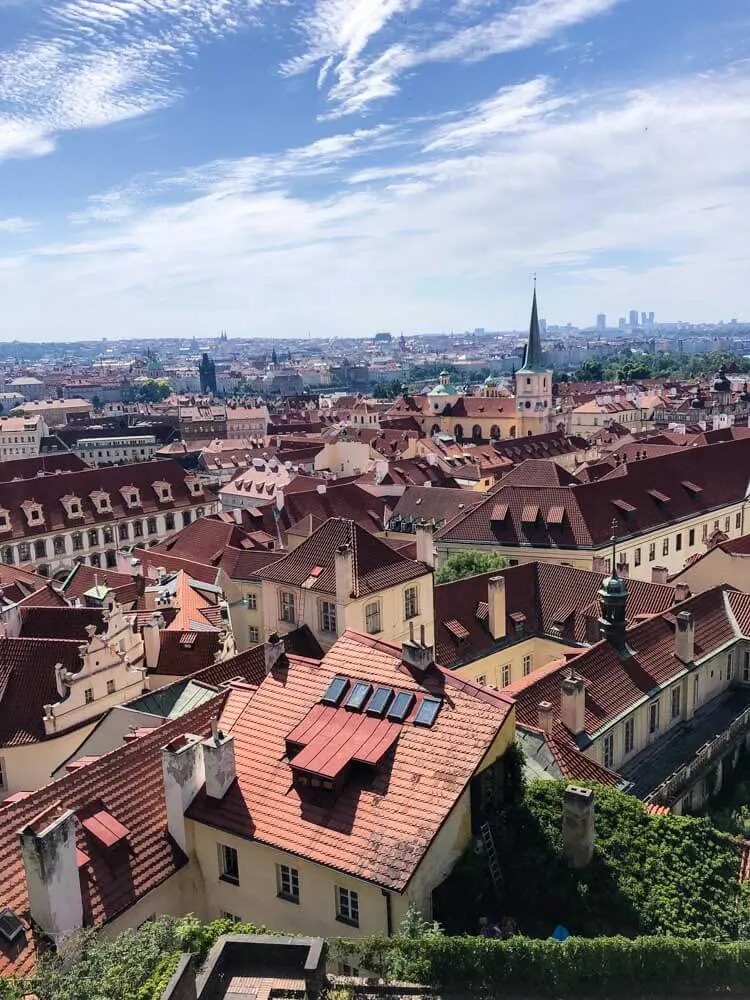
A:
{"x": 543, "y": 326}
{"x": 651, "y": 319}
{"x": 601, "y": 321}
{"x": 633, "y": 318}
{"x": 644, "y": 319}
{"x": 621, "y": 324}
{"x": 207, "y": 373}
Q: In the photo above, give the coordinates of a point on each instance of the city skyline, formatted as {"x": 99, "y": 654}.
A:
{"x": 174, "y": 168}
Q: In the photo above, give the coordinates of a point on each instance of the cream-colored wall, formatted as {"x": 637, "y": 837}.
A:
{"x": 674, "y": 560}
{"x": 27, "y": 768}
{"x": 716, "y": 567}
{"x": 242, "y": 618}
{"x": 180, "y": 894}
{"x": 394, "y": 627}
{"x": 489, "y": 669}
{"x": 346, "y": 458}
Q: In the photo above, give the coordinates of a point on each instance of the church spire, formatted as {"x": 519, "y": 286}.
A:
{"x": 532, "y": 361}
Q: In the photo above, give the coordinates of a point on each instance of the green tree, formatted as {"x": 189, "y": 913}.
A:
{"x": 388, "y": 389}
{"x": 153, "y": 390}
{"x": 589, "y": 370}
{"x": 463, "y": 564}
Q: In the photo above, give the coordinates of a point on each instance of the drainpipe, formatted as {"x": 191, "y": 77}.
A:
{"x": 388, "y": 914}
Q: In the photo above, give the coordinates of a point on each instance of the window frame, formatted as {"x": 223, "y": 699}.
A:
{"x": 411, "y": 602}
{"x": 288, "y": 607}
{"x": 653, "y": 717}
{"x": 347, "y": 906}
{"x": 88, "y": 696}
{"x": 327, "y": 617}
{"x": 629, "y": 736}
{"x": 675, "y": 699}
{"x": 229, "y": 864}
{"x": 608, "y": 750}
{"x": 288, "y": 883}
{"x": 373, "y": 613}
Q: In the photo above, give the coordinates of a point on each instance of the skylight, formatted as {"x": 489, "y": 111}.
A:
{"x": 11, "y": 927}
{"x": 335, "y": 691}
{"x": 380, "y": 700}
{"x": 401, "y": 706}
{"x": 358, "y": 696}
{"x": 427, "y": 712}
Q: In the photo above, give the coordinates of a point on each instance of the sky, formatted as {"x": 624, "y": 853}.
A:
{"x": 339, "y": 167}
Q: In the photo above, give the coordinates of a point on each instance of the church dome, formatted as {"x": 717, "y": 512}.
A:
{"x": 721, "y": 382}
{"x": 614, "y": 586}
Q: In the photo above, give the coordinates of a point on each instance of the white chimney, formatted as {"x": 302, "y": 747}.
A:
{"x": 273, "y": 650}
{"x": 496, "y": 605}
{"x": 321, "y": 489}
{"x": 659, "y": 574}
{"x": 681, "y": 592}
{"x": 48, "y": 847}
{"x": 573, "y": 703}
{"x": 684, "y": 637}
{"x": 152, "y": 640}
{"x": 425, "y": 546}
{"x": 184, "y": 774}
{"x": 546, "y": 718}
{"x": 415, "y": 654}
{"x": 344, "y": 574}
{"x": 219, "y": 763}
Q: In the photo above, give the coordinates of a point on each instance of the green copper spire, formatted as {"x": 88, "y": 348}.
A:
{"x": 532, "y": 361}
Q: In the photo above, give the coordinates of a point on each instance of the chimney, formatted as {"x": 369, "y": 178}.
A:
{"x": 184, "y": 774}
{"x": 273, "y": 650}
{"x": 684, "y": 637}
{"x": 48, "y": 847}
{"x": 681, "y": 592}
{"x": 545, "y": 717}
{"x": 573, "y": 703}
{"x": 425, "y": 547}
{"x": 496, "y": 605}
{"x": 321, "y": 489}
{"x": 344, "y": 574}
{"x": 578, "y": 826}
{"x": 598, "y": 564}
{"x": 152, "y": 640}
{"x": 218, "y": 762}
{"x": 659, "y": 574}
{"x": 417, "y": 655}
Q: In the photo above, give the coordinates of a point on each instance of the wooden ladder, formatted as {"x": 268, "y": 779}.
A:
{"x": 491, "y": 852}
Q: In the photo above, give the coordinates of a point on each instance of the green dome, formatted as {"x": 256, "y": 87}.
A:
{"x": 614, "y": 586}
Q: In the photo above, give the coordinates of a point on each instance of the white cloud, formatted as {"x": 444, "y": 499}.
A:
{"x": 610, "y": 197}
{"x": 14, "y": 224}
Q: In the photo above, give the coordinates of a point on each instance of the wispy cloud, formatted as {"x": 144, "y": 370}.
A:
{"x": 14, "y": 224}
{"x": 338, "y": 34}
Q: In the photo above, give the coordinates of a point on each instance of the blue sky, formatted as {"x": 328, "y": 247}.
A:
{"x": 176, "y": 167}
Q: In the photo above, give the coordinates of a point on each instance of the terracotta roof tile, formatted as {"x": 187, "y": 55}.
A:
{"x": 27, "y": 684}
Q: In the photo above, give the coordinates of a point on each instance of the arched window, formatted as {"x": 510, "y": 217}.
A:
{"x": 476, "y": 433}
{"x": 495, "y": 433}
{"x": 95, "y": 560}
{"x": 58, "y": 545}
{"x": 94, "y": 539}
{"x": 8, "y": 555}
{"x": 111, "y": 558}
{"x": 458, "y": 432}
{"x": 186, "y": 517}
{"x": 435, "y": 430}
{"x": 512, "y": 431}
{"x": 151, "y": 525}
{"x": 40, "y": 551}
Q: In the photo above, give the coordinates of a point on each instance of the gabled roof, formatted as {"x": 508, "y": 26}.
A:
{"x": 31, "y": 468}
{"x": 59, "y": 622}
{"x": 379, "y": 826}
{"x": 376, "y": 565}
{"x": 202, "y": 541}
{"x": 27, "y": 684}
{"x": 83, "y": 578}
{"x": 434, "y": 503}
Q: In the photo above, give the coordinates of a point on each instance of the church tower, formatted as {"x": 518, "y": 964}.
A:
{"x": 534, "y": 385}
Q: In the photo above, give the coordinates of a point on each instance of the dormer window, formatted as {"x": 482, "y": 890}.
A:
{"x": 131, "y": 495}
{"x": 102, "y": 502}
{"x": 163, "y": 491}
{"x": 195, "y": 486}
{"x": 33, "y": 511}
{"x": 72, "y": 505}
{"x": 4, "y": 519}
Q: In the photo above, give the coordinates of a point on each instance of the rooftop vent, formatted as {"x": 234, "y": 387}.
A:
{"x": 11, "y": 927}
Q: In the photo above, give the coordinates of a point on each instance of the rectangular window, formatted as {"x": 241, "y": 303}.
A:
{"x": 3, "y": 782}
{"x": 88, "y": 695}
{"x": 653, "y": 716}
{"x": 691, "y": 537}
{"x": 286, "y": 610}
{"x": 253, "y": 634}
{"x": 482, "y": 679}
{"x": 738, "y": 520}
{"x": 629, "y": 735}
{"x": 229, "y": 865}
{"x": 110, "y": 687}
{"x": 252, "y": 602}
{"x": 347, "y": 906}
{"x": 705, "y": 531}
{"x": 746, "y": 666}
{"x": 637, "y": 557}
{"x": 730, "y": 667}
{"x": 411, "y": 606}
{"x": 678, "y": 541}
{"x": 675, "y": 702}
{"x": 327, "y": 617}
{"x": 506, "y": 674}
{"x": 727, "y": 525}
{"x": 287, "y": 883}
{"x": 652, "y": 551}
{"x": 226, "y": 915}
{"x": 608, "y": 750}
{"x": 527, "y": 665}
{"x": 665, "y": 547}
{"x": 372, "y": 618}
{"x": 696, "y": 691}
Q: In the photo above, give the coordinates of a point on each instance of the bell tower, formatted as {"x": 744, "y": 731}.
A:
{"x": 534, "y": 384}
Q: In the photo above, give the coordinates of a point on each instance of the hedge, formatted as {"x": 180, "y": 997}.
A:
{"x": 576, "y": 967}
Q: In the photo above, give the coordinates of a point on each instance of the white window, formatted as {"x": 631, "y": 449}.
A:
{"x": 372, "y": 618}
{"x": 411, "y": 603}
{"x": 253, "y": 634}
{"x": 665, "y": 547}
{"x": 675, "y": 702}
{"x": 608, "y": 750}
{"x": 252, "y": 602}
{"x": 506, "y": 674}
{"x": 110, "y": 687}
{"x": 287, "y": 883}
{"x": 88, "y": 694}
{"x": 287, "y": 607}
{"x": 629, "y": 735}
{"x": 653, "y": 717}
{"x": 347, "y": 905}
{"x": 226, "y": 915}
{"x": 327, "y": 616}
{"x": 527, "y": 665}
{"x": 229, "y": 865}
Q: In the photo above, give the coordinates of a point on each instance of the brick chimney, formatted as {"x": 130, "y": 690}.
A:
{"x": 417, "y": 654}
{"x": 48, "y": 847}
{"x": 184, "y": 773}
{"x": 681, "y": 592}
{"x": 273, "y": 650}
{"x": 218, "y": 762}
{"x": 573, "y": 703}
{"x": 344, "y": 574}
{"x": 546, "y": 718}
{"x": 425, "y": 545}
{"x": 659, "y": 574}
{"x": 684, "y": 637}
{"x": 496, "y": 604}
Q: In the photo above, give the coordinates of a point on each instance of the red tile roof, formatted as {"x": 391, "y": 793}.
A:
{"x": 31, "y": 468}
{"x": 59, "y": 622}
{"x": 82, "y": 578}
{"x": 116, "y": 780}
{"x": 27, "y": 684}
{"x": 376, "y": 565}
{"x": 379, "y": 825}
{"x": 202, "y": 541}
